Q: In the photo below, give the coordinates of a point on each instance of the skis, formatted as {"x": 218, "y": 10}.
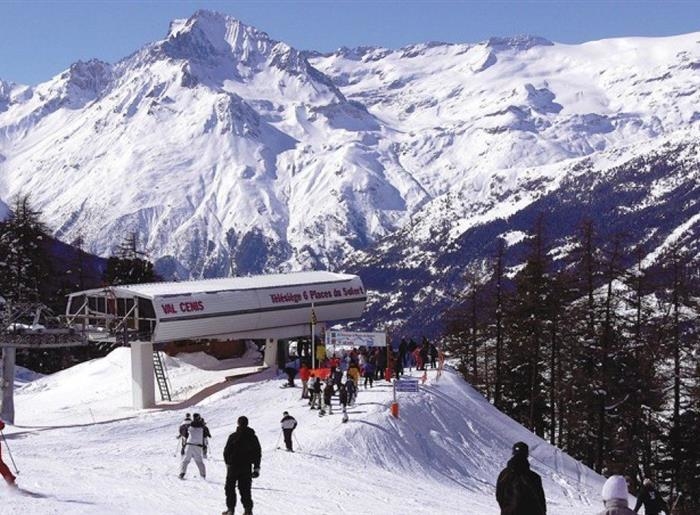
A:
{"x": 29, "y": 493}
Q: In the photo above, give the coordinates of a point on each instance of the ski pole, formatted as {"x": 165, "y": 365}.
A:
{"x": 277, "y": 445}
{"x": 297, "y": 441}
{"x": 9, "y": 453}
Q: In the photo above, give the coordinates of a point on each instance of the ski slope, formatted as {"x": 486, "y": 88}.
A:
{"x": 80, "y": 446}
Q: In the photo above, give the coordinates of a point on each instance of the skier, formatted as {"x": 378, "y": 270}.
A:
{"x": 615, "y": 497}
{"x": 304, "y": 375}
{"x": 242, "y": 457}
{"x": 369, "y": 374}
{"x": 343, "y": 398}
{"x": 4, "y": 469}
{"x": 433, "y": 355}
{"x": 354, "y": 373}
{"x": 197, "y": 432}
{"x": 519, "y": 489}
{"x": 182, "y": 432}
{"x": 652, "y": 500}
{"x": 316, "y": 393}
{"x": 327, "y": 399}
{"x": 337, "y": 378}
{"x": 403, "y": 354}
{"x": 291, "y": 370}
{"x": 289, "y": 423}
{"x": 352, "y": 391}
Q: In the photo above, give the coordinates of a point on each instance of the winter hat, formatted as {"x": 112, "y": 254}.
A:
{"x": 285, "y": 413}
{"x": 520, "y": 449}
{"x": 187, "y": 416}
{"x": 243, "y": 421}
{"x": 196, "y": 416}
{"x": 615, "y": 488}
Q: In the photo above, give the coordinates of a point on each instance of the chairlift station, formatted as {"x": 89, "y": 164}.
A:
{"x": 147, "y": 316}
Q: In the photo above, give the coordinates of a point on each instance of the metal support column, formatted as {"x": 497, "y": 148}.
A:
{"x": 142, "y": 378}
{"x": 7, "y": 410}
{"x": 270, "y": 358}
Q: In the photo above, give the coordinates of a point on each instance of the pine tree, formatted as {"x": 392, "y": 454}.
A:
{"x": 24, "y": 264}
{"x": 129, "y": 266}
{"x": 529, "y": 315}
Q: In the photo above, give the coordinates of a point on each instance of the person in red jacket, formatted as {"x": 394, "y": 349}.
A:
{"x": 304, "y": 375}
{"x": 4, "y": 469}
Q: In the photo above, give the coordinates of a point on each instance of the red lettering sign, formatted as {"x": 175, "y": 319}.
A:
{"x": 188, "y": 307}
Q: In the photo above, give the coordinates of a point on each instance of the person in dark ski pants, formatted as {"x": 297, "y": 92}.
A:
{"x": 182, "y": 432}
{"x": 343, "y": 397}
{"x": 651, "y": 499}
{"x": 316, "y": 398}
{"x": 327, "y": 399}
{"x": 289, "y": 424}
{"x": 369, "y": 374}
{"x": 242, "y": 457}
{"x": 4, "y": 469}
{"x": 352, "y": 391}
{"x": 519, "y": 489}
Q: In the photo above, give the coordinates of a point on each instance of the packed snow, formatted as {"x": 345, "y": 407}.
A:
{"x": 82, "y": 449}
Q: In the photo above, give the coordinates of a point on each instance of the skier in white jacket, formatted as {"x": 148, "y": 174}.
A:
{"x": 197, "y": 433}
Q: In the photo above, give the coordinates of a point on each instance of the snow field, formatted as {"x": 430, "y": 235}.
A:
{"x": 442, "y": 455}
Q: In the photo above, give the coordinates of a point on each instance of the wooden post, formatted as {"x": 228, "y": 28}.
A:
{"x": 313, "y": 337}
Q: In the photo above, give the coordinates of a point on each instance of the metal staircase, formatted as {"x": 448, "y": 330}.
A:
{"x": 161, "y": 374}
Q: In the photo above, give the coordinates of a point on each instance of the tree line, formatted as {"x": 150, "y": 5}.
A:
{"x": 36, "y": 269}
{"x": 597, "y": 353}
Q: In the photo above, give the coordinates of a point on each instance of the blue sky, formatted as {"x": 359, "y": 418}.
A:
{"x": 40, "y": 38}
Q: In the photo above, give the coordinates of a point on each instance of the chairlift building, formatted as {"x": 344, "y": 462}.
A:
{"x": 268, "y": 307}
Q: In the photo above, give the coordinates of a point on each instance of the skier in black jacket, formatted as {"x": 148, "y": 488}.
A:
{"x": 242, "y": 457}
{"x": 519, "y": 489}
{"x": 651, "y": 499}
{"x": 289, "y": 424}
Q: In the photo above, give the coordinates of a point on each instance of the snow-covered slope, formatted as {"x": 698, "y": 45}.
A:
{"x": 216, "y": 144}
{"x": 222, "y": 147}
{"x": 441, "y": 456}
{"x": 646, "y": 195}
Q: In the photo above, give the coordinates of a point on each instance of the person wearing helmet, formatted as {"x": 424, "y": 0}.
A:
{"x": 197, "y": 433}
{"x": 519, "y": 489}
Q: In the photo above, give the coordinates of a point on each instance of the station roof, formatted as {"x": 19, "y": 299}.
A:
{"x": 152, "y": 290}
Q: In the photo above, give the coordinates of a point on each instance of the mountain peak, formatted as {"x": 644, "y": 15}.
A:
{"x": 207, "y": 33}
{"x": 92, "y": 75}
{"x": 519, "y": 42}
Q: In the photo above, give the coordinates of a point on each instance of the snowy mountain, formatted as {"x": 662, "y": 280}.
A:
{"x": 645, "y": 196}
{"x": 215, "y": 144}
{"x": 227, "y": 150}
{"x": 83, "y": 451}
